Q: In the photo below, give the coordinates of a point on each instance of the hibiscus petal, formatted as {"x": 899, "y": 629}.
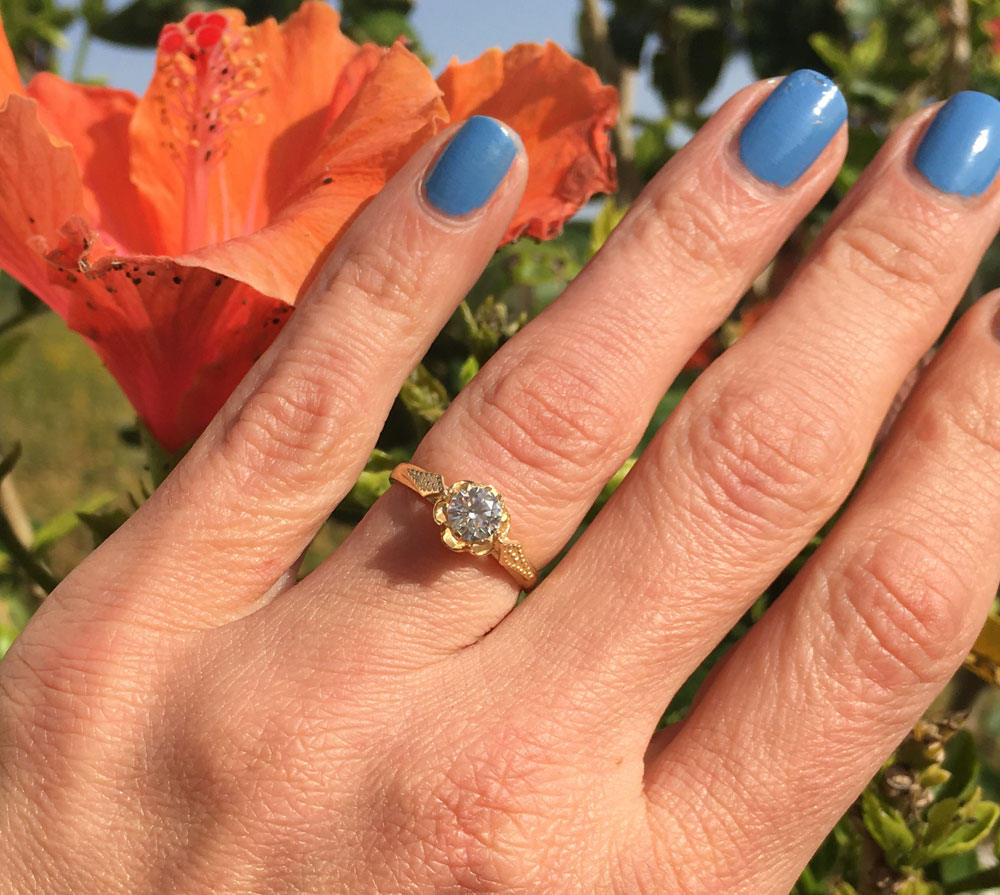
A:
{"x": 562, "y": 113}
{"x": 395, "y": 110}
{"x": 94, "y": 121}
{"x": 178, "y": 339}
{"x": 10, "y": 78}
{"x": 39, "y": 190}
{"x": 270, "y": 87}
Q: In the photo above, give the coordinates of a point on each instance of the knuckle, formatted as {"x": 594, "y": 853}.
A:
{"x": 695, "y": 224}
{"x": 478, "y": 812}
{"x": 710, "y": 819}
{"x": 764, "y": 457}
{"x": 381, "y": 278}
{"x": 885, "y": 251}
{"x": 292, "y": 421}
{"x": 899, "y": 609}
{"x": 552, "y": 418}
{"x": 967, "y": 414}
{"x": 65, "y": 697}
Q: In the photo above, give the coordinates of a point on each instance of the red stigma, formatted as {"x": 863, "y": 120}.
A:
{"x": 208, "y": 36}
{"x": 171, "y": 39}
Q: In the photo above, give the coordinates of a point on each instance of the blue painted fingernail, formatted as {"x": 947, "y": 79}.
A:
{"x": 792, "y": 127}
{"x": 960, "y": 153}
{"x": 471, "y": 167}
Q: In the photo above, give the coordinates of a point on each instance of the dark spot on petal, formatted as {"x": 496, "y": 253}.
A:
{"x": 111, "y": 288}
{"x": 225, "y": 71}
{"x": 276, "y": 321}
{"x": 218, "y": 281}
{"x": 150, "y": 273}
{"x": 116, "y": 265}
{"x": 208, "y": 154}
{"x": 90, "y": 305}
{"x": 136, "y": 280}
{"x": 31, "y": 220}
{"x": 327, "y": 180}
{"x": 177, "y": 280}
{"x": 243, "y": 302}
{"x": 70, "y": 278}
{"x": 284, "y": 309}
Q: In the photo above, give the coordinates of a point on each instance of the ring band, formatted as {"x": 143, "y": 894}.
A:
{"x": 473, "y": 519}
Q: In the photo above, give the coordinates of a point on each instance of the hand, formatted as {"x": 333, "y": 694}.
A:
{"x": 179, "y": 716}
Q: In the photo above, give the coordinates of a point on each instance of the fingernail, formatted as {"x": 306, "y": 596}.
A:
{"x": 960, "y": 153}
{"x": 471, "y": 167}
{"x": 792, "y": 127}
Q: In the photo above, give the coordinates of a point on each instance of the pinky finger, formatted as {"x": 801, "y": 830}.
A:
{"x": 839, "y": 669}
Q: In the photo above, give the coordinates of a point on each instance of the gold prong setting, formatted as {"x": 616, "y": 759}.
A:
{"x": 473, "y": 518}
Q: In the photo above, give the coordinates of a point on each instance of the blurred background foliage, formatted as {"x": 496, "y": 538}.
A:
{"x": 74, "y": 462}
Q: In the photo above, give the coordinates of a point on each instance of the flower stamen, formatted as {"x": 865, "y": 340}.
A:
{"x": 211, "y": 77}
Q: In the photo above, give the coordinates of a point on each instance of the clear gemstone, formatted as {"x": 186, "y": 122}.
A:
{"x": 473, "y": 513}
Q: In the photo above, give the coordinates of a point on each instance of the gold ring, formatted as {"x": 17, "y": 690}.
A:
{"x": 473, "y": 519}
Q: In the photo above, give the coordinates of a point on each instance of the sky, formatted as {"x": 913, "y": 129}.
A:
{"x": 447, "y": 28}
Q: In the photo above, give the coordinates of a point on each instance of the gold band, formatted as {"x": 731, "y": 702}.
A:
{"x": 473, "y": 519}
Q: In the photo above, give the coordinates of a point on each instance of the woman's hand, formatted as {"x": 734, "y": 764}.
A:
{"x": 179, "y": 716}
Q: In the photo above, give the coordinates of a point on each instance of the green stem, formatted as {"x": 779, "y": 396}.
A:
{"x": 984, "y": 879}
{"x": 19, "y": 318}
{"x": 80, "y": 59}
{"x": 24, "y": 558}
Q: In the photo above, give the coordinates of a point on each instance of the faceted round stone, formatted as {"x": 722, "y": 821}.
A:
{"x": 473, "y": 513}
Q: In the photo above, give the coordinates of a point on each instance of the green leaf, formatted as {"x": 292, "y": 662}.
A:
{"x": 954, "y": 828}
{"x": 468, "y": 369}
{"x": 369, "y": 487}
{"x": 62, "y": 524}
{"x": 9, "y": 461}
{"x": 606, "y": 220}
{"x": 962, "y": 763}
{"x": 831, "y": 53}
{"x": 373, "y": 482}
{"x": 138, "y": 24}
{"x": 918, "y": 886}
{"x": 693, "y": 19}
{"x": 941, "y": 818}
{"x": 866, "y": 54}
{"x": 104, "y": 524}
{"x": 888, "y": 828}
{"x": 843, "y": 888}
{"x": 424, "y": 395}
{"x": 10, "y": 345}
{"x": 14, "y": 616}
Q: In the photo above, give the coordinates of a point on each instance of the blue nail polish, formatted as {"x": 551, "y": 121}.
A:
{"x": 792, "y": 127}
{"x": 471, "y": 167}
{"x": 960, "y": 153}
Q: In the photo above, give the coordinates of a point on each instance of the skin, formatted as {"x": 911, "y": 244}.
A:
{"x": 180, "y": 716}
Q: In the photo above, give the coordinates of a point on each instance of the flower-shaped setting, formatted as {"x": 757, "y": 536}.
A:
{"x": 473, "y": 518}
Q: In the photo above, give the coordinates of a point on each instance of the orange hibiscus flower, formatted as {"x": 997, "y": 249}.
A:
{"x": 175, "y": 232}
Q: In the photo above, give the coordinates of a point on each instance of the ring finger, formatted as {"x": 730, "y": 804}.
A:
{"x": 563, "y": 404}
